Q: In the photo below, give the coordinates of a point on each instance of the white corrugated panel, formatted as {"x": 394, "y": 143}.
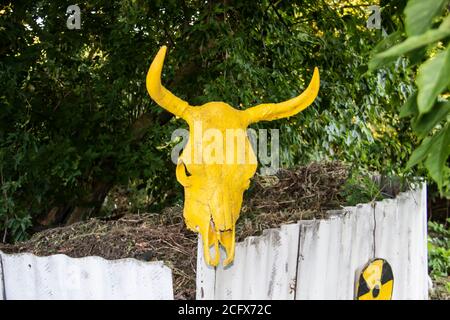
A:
{"x": 205, "y": 275}
{"x": 321, "y": 259}
{"x": 330, "y": 252}
{"x": 27, "y": 276}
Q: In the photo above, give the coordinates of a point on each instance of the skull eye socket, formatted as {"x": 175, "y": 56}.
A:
{"x": 183, "y": 174}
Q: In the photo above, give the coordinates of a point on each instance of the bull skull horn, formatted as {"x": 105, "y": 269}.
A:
{"x": 274, "y": 111}
{"x": 161, "y": 95}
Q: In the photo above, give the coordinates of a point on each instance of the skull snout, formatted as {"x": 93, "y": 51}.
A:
{"x": 221, "y": 211}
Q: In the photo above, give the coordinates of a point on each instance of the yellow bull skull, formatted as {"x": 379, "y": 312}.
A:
{"x": 214, "y": 189}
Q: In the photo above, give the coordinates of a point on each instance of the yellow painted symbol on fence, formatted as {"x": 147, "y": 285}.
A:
{"x": 214, "y": 189}
{"x": 376, "y": 281}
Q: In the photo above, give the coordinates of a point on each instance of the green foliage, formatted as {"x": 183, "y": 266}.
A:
{"x": 69, "y": 102}
{"x": 419, "y": 15}
{"x": 429, "y": 52}
{"x": 439, "y": 249}
{"x": 75, "y": 116}
{"x": 410, "y": 44}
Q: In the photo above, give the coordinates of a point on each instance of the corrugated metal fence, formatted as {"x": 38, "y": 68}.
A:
{"x": 320, "y": 259}
{"x": 26, "y": 276}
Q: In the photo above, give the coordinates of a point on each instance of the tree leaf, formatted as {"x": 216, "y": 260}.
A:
{"x": 410, "y": 44}
{"x": 409, "y": 108}
{"x": 425, "y": 123}
{"x": 419, "y": 14}
{"x": 421, "y": 151}
{"x": 439, "y": 152}
{"x": 432, "y": 78}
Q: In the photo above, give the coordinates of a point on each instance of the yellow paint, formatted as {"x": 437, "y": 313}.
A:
{"x": 372, "y": 275}
{"x": 218, "y": 162}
